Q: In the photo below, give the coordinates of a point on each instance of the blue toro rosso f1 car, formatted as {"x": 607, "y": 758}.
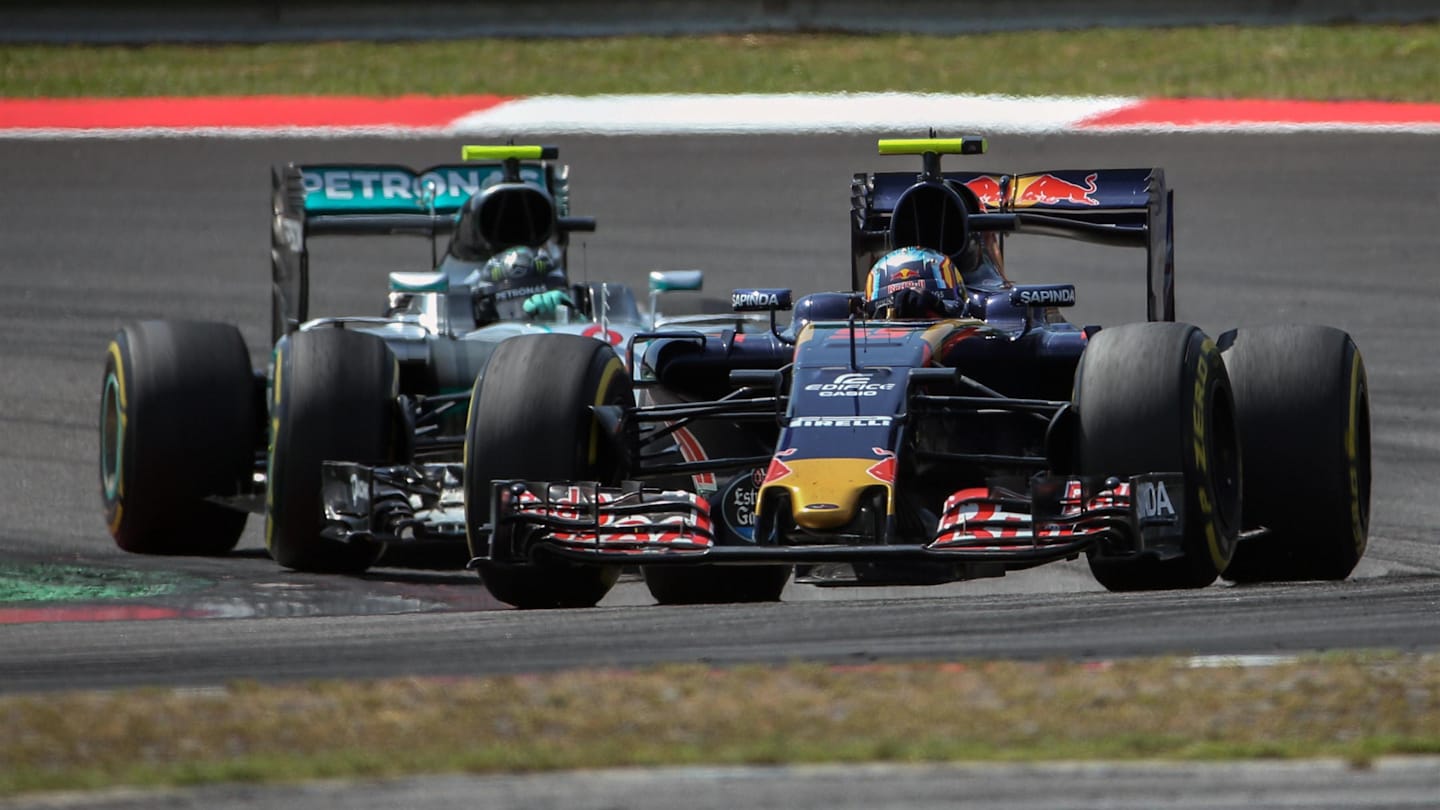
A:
{"x": 935, "y": 423}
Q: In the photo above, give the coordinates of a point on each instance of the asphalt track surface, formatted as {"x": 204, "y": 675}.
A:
{"x": 1324, "y": 228}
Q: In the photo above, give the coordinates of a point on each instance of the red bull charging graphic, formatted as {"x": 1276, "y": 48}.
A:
{"x": 1048, "y": 189}
{"x": 989, "y": 191}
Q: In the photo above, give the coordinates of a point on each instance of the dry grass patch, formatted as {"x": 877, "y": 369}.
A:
{"x": 1352, "y": 706}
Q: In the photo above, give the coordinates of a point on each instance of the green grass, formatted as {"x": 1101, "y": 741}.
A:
{"x": 1351, "y": 706}
{"x": 1393, "y": 63}
{"x": 52, "y": 582}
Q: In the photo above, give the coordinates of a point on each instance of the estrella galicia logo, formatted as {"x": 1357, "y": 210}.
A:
{"x": 737, "y": 503}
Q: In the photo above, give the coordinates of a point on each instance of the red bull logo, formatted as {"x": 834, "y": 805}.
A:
{"x": 906, "y": 272}
{"x": 987, "y": 189}
{"x": 778, "y": 469}
{"x": 884, "y": 469}
{"x": 1047, "y": 189}
{"x": 891, "y": 289}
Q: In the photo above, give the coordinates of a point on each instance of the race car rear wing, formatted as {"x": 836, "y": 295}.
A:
{"x": 1119, "y": 207}
{"x": 387, "y": 199}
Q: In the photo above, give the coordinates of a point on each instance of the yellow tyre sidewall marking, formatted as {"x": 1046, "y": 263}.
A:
{"x": 275, "y": 396}
{"x": 1352, "y": 453}
{"x": 465, "y": 460}
{"x": 611, "y": 371}
{"x": 119, "y": 498}
{"x": 1201, "y": 412}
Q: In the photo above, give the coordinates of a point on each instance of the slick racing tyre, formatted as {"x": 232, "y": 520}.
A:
{"x": 1303, "y": 411}
{"x": 1154, "y": 397}
{"x": 178, "y": 423}
{"x": 531, "y": 418}
{"x": 333, "y": 399}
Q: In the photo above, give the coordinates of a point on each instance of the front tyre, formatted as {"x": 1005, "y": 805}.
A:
{"x": 531, "y": 418}
{"x": 178, "y": 423}
{"x": 1303, "y": 409}
{"x": 1154, "y": 397}
{"x": 333, "y": 399}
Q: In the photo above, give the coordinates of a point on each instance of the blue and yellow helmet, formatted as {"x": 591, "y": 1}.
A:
{"x": 912, "y": 268}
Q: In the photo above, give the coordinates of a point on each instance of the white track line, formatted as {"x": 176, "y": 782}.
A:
{"x": 786, "y": 114}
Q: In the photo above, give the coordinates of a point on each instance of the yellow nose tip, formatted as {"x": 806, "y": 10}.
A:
{"x": 825, "y": 492}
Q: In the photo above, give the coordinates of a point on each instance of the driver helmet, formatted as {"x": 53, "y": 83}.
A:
{"x": 912, "y": 277}
{"x": 511, "y": 277}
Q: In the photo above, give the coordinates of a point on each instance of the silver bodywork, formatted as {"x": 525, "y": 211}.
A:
{"x": 424, "y": 500}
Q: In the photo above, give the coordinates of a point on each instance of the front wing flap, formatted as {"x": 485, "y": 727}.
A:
{"x": 1137, "y": 514}
{"x": 1058, "y": 518}
{"x": 586, "y": 518}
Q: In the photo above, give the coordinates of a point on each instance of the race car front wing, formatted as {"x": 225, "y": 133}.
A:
{"x": 1059, "y": 518}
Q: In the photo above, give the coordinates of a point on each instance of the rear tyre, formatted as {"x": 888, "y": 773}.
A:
{"x": 530, "y": 418}
{"x": 178, "y": 423}
{"x": 677, "y": 585}
{"x": 1154, "y": 397}
{"x": 334, "y": 399}
{"x": 1303, "y": 410}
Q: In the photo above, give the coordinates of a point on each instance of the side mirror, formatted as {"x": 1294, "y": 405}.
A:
{"x": 663, "y": 281}
{"x": 758, "y": 299}
{"x": 1043, "y": 295}
{"x": 676, "y": 280}
{"x": 424, "y": 282}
